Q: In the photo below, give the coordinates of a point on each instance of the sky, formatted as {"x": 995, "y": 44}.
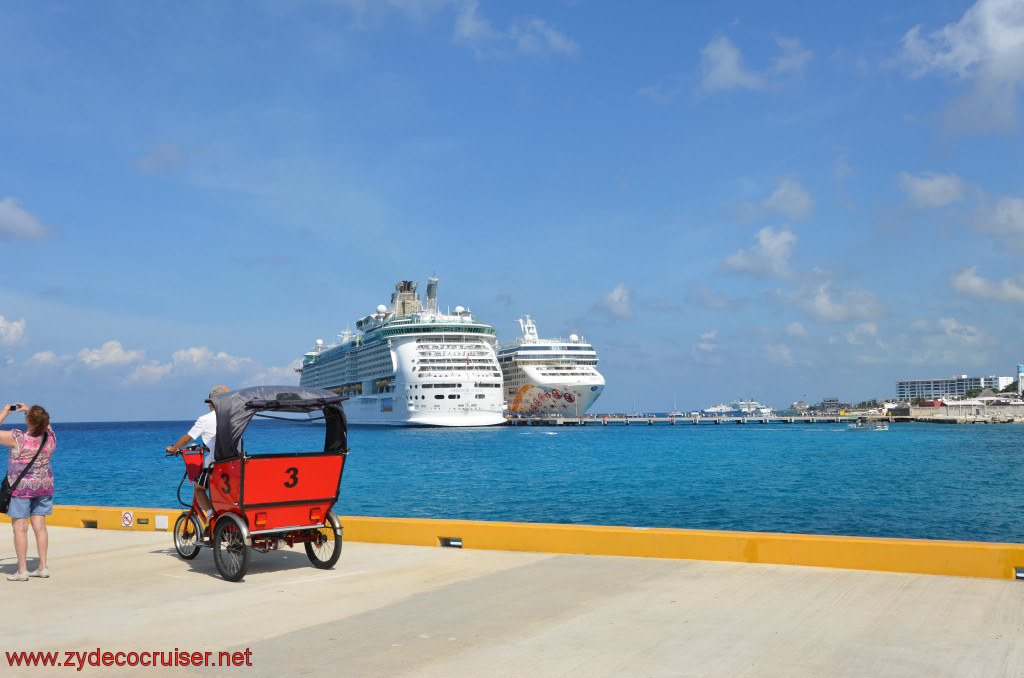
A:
{"x": 776, "y": 201}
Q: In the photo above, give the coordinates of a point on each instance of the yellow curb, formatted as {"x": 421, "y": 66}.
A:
{"x": 919, "y": 556}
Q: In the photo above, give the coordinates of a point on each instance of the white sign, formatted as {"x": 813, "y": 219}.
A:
{"x": 127, "y": 518}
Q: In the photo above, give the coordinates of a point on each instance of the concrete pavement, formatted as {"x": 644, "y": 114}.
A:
{"x": 388, "y": 610}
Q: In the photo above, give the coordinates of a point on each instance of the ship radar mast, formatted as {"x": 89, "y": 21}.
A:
{"x": 528, "y": 328}
{"x": 346, "y": 335}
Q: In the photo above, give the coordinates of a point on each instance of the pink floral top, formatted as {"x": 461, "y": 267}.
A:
{"x": 38, "y": 482}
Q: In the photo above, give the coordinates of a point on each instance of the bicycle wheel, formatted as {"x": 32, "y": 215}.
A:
{"x": 186, "y": 536}
{"x": 325, "y": 549}
{"x": 230, "y": 552}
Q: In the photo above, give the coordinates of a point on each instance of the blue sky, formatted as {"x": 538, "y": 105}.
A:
{"x": 745, "y": 200}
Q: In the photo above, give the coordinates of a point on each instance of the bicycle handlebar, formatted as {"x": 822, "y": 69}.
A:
{"x": 188, "y": 448}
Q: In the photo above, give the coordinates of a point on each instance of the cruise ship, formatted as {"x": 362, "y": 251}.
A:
{"x": 549, "y": 376}
{"x": 739, "y": 408}
{"x": 410, "y": 365}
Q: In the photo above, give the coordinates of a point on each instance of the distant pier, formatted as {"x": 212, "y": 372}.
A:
{"x": 673, "y": 421}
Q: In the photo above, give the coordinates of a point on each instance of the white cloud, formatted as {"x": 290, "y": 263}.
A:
{"x": 618, "y": 302}
{"x": 793, "y": 59}
{"x": 528, "y": 35}
{"x": 472, "y": 29}
{"x": 19, "y": 224}
{"x": 190, "y": 361}
{"x": 796, "y": 330}
{"x": 985, "y": 49}
{"x": 790, "y": 198}
{"x": 150, "y": 373}
{"x": 48, "y": 358}
{"x": 163, "y": 158}
{"x": 932, "y": 189}
{"x": 525, "y": 34}
{"x": 951, "y": 343}
{"x": 276, "y": 375}
{"x": 203, "y": 358}
{"x": 865, "y": 333}
{"x": 782, "y": 355}
{"x": 722, "y": 66}
{"x": 111, "y": 353}
{"x": 535, "y": 36}
{"x": 12, "y": 332}
{"x": 1004, "y": 220}
{"x": 704, "y": 297}
{"x": 841, "y": 169}
{"x": 768, "y": 258}
{"x": 704, "y": 350}
{"x": 967, "y": 283}
{"x": 828, "y": 304}
{"x": 659, "y": 94}
{"x": 967, "y": 334}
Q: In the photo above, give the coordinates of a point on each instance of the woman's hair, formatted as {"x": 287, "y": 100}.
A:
{"x": 37, "y": 419}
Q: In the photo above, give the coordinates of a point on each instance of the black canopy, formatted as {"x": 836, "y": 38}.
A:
{"x": 236, "y": 409}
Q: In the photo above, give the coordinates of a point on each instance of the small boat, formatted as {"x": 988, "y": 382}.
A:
{"x": 675, "y": 412}
{"x": 865, "y": 424}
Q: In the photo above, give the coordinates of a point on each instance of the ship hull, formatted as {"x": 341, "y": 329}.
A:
{"x": 568, "y": 400}
{"x": 372, "y": 411}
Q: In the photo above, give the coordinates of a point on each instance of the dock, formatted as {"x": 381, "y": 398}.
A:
{"x": 117, "y": 597}
{"x": 651, "y": 420}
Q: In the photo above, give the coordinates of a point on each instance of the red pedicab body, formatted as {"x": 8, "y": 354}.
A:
{"x": 278, "y": 492}
{"x": 263, "y": 500}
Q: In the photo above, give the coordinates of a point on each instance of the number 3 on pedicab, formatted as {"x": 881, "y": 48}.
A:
{"x": 293, "y": 473}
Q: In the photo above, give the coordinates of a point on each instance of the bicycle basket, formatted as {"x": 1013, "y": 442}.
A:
{"x": 193, "y": 463}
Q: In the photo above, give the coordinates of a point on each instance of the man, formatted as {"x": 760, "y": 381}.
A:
{"x": 205, "y": 427}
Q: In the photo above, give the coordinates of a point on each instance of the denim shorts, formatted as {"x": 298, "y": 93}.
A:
{"x": 21, "y": 507}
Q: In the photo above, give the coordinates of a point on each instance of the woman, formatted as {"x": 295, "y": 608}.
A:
{"x": 33, "y": 498}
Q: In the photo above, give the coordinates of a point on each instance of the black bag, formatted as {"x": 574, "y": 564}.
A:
{"x": 7, "y": 490}
{"x": 5, "y": 495}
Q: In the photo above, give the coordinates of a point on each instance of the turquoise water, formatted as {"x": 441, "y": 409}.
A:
{"x": 914, "y": 480}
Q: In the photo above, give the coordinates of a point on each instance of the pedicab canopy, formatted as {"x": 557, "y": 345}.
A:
{"x": 236, "y": 409}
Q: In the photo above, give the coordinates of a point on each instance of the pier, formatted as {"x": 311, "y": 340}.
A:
{"x": 612, "y": 420}
{"x": 393, "y": 609}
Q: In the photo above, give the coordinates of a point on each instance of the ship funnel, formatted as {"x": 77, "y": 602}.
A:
{"x": 405, "y": 300}
{"x": 432, "y": 294}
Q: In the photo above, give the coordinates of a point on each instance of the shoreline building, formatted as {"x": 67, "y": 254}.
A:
{"x": 954, "y": 387}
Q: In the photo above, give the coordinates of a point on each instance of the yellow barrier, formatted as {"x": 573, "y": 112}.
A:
{"x": 105, "y": 518}
{"x": 920, "y": 556}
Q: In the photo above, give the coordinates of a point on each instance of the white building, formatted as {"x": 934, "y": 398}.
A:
{"x": 955, "y": 387}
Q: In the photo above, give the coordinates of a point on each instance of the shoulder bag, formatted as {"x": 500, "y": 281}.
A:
{"x": 7, "y": 490}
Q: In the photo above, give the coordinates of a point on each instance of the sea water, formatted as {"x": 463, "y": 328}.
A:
{"x": 914, "y": 480}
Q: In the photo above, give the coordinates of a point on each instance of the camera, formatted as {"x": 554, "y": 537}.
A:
{"x": 13, "y": 408}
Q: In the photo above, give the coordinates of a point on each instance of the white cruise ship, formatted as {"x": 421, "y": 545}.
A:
{"x": 739, "y": 408}
{"x": 412, "y": 366}
{"x": 549, "y": 376}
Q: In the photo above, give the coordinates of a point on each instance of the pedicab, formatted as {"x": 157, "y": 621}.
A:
{"x": 263, "y": 500}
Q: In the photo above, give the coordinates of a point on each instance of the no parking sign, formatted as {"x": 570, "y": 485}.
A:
{"x": 127, "y": 518}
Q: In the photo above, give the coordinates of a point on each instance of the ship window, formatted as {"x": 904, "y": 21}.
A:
{"x": 439, "y": 397}
{"x": 480, "y": 396}
{"x": 452, "y": 396}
